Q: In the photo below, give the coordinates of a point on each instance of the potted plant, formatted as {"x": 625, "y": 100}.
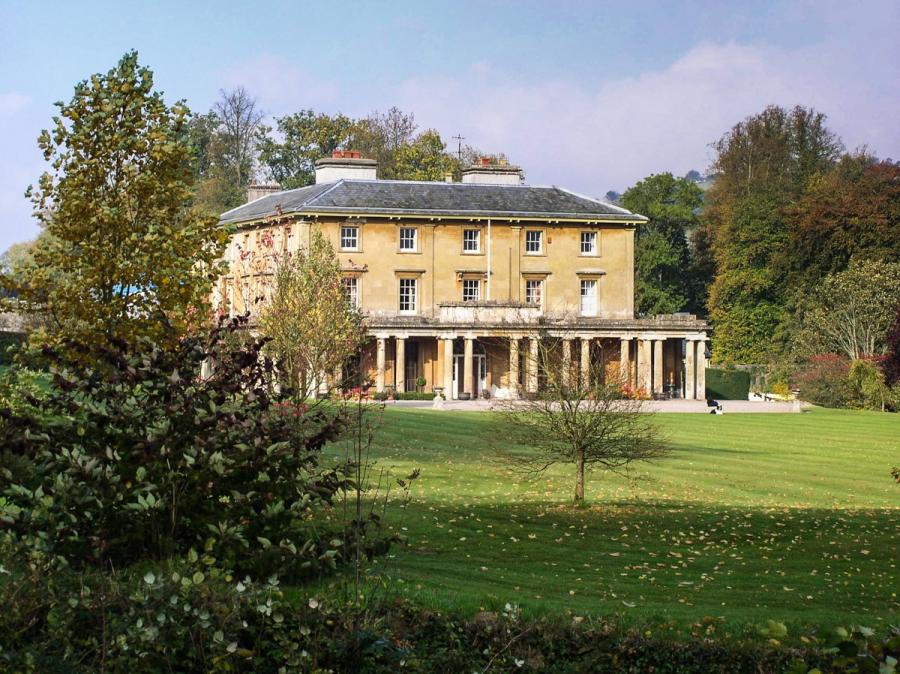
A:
{"x": 420, "y": 383}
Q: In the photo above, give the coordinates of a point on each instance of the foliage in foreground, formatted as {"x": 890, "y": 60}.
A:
{"x": 121, "y": 254}
{"x": 187, "y": 616}
{"x": 137, "y": 457}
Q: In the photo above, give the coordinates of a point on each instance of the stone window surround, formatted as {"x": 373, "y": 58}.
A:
{"x": 479, "y": 236}
{"x": 358, "y": 247}
{"x": 416, "y": 247}
{"x": 542, "y": 239}
{"x": 596, "y": 251}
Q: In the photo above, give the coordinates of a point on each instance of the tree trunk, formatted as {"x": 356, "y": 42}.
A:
{"x": 579, "y": 475}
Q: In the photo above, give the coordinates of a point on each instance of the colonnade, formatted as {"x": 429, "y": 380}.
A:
{"x": 644, "y": 363}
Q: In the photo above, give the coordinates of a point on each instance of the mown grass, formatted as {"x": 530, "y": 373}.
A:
{"x": 751, "y": 517}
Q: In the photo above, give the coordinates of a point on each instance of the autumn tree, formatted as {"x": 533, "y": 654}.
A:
{"x": 762, "y": 166}
{"x": 125, "y": 256}
{"x": 851, "y": 311}
{"x": 579, "y": 417}
{"x": 305, "y": 137}
{"x": 852, "y": 210}
{"x": 662, "y": 260}
{"x": 312, "y": 327}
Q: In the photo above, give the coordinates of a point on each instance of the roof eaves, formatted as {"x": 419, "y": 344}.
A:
{"x": 638, "y": 216}
{"x": 543, "y": 215}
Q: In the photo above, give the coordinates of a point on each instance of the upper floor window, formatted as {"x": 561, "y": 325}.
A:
{"x": 349, "y": 238}
{"x": 588, "y": 297}
{"x": 471, "y": 290}
{"x": 471, "y": 240}
{"x": 534, "y": 291}
{"x": 407, "y": 296}
{"x": 408, "y": 239}
{"x": 534, "y": 241}
{"x": 589, "y": 243}
{"x": 351, "y": 290}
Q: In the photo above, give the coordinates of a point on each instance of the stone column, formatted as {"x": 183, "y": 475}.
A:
{"x": 532, "y": 365}
{"x": 643, "y": 364}
{"x": 585, "y": 363}
{"x": 624, "y": 361}
{"x": 379, "y": 364}
{"x": 400, "y": 365}
{"x": 468, "y": 366}
{"x": 448, "y": 369}
{"x": 689, "y": 364}
{"x": 513, "y": 365}
{"x": 701, "y": 369}
{"x": 566, "y": 362}
{"x": 658, "y": 383}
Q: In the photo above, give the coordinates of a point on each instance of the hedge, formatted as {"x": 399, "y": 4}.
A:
{"x": 414, "y": 395}
{"x": 727, "y": 384}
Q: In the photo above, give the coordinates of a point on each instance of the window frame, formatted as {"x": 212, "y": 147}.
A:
{"x": 415, "y": 240}
{"x": 540, "y": 240}
{"x": 583, "y": 283}
{"x": 540, "y": 289}
{"x": 595, "y": 249}
{"x": 411, "y": 300}
{"x": 356, "y": 246}
{"x": 477, "y": 249}
{"x": 470, "y": 281}
{"x": 353, "y": 295}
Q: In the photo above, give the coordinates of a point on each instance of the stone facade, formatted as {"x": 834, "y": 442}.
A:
{"x": 458, "y": 294}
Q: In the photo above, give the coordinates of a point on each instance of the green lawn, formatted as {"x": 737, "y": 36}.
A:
{"x": 790, "y": 517}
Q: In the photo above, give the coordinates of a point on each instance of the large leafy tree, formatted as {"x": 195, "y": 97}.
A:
{"x": 124, "y": 255}
{"x": 425, "y": 158}
{"x": 304, "y": 137}
{"x": 381, "y": 135}
{"x": 762, "y": 165}
{"x": 662, "y": 254}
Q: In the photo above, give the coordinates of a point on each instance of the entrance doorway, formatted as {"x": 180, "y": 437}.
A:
{"x": 411, "y": 366}
{"x": 479, "y": 370}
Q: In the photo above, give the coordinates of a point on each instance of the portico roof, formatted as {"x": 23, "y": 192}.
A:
{"x": 431, "y": 199}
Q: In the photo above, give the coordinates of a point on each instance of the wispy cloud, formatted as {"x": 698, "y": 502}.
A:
{"x": 281, "y": 86}
{"x": 12, "y": 102}
{"x": 613, "y": 134}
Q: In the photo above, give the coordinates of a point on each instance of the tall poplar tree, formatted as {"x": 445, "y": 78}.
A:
{"x": 125, "y": 255}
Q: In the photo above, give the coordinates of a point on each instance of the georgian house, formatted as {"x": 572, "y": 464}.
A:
{"x": 458, "y": 280}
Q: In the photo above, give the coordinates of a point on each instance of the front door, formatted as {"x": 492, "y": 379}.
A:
{"x": 479, "y": 374}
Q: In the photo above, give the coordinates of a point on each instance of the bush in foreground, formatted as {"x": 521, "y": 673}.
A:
{"x": 136, "y": 457}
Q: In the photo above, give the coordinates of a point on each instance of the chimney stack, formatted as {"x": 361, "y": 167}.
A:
{"x": 486, "y": 171}
{"x": 257, "y": 190}
{"x": 346, "y": 165}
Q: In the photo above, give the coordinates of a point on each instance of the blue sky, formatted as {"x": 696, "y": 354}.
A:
{"x": 592, "y": 96}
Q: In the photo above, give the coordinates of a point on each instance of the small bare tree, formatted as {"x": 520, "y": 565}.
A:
{"x": 579, "y": 416}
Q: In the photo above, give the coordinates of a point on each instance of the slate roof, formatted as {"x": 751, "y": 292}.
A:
{"x": 400, "y": 197}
